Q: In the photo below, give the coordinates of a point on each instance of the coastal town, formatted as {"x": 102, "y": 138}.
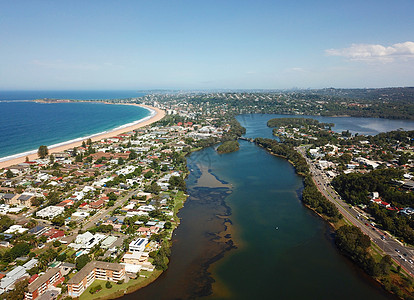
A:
{"x": 96, "y": 219}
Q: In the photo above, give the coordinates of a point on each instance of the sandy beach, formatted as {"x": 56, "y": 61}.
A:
{"x": 159, "y": 114}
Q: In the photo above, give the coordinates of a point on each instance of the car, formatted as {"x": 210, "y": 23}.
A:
{"x": 397, "y": 250}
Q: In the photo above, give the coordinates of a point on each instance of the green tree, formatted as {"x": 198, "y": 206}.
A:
{"x": 178, "y": 182}
{"x": 58, "y": 220}
{"x": 42, "y": 152}
{"x": 132, "y": 155}
{"x": 56, "y": 243}
{"x": 5, "y": 222}
{"x": 95, "y": 289}
{"x": 20, "y": 249}
{"x": 108, "y": 285}
{"x": 81, "y": 261}
{"x": 9, "y": 174}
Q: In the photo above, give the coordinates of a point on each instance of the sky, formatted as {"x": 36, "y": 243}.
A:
{"x": 189, "y": 45}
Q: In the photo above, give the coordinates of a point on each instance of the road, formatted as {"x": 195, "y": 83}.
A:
{"x": 107, "y": 211}
{"x": 401, "y": 254}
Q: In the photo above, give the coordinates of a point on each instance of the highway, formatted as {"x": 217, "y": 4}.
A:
{"x": 402, "y": 255}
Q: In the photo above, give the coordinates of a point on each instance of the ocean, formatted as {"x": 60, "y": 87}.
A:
{"x": 25, "y": 125}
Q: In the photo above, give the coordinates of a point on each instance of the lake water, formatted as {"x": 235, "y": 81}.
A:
{"x": 256, "y": 124}
{"x": 246, "y": 235}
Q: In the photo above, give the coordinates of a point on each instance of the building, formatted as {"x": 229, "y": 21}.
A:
{"x": 8, "y": 281}
{"x": 52, "y": 277}
{"x": 94, "y": 270}
{"x": 97, "y": 204}
{"x": 138, "y": 245}
{"x": 50, "y": 212}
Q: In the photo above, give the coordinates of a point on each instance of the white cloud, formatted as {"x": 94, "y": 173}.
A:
{"x": 371, "y": 52}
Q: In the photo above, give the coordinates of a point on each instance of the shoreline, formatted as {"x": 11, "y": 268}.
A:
{"x": 156, "y": 115}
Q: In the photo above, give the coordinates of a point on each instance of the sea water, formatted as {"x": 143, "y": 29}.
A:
{"x": 25, "y": 125}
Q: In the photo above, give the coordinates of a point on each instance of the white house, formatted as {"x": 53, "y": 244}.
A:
{"x": 50, "y": 212}
{"x": 138, "y": 245}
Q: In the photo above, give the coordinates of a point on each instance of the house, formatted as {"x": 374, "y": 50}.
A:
{"x": 24, "y": 199}
{"x": 9, "y": 198}
{"x": 64, "y": 203}
{"x": 97, "y": 204}
{"x": 138, "y": 245}
{"x": 7, "y": 282}
{"x": 94, "y": 270}
{"x": 408, "y": 211}
{"x": 87, "y": 240}
{"x": 38, "y": 287}
{"x": 50, "y": 212}
{"x": 16, "y": 228}
{"x": 38, "y": 230}
{"x": 53, "y": 234}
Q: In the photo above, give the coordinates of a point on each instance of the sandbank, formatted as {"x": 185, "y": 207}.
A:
{"x": 158, "y": 115}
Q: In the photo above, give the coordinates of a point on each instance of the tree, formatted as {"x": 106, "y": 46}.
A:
{"x": 95, "y": 289}
{"x": 385, "y": 265}
{"x": 42, "y": 152}
{"x": 178, "y": 182}
{"x": 108, "y": 285}
{"x": 20, "y": 249}
{"x": 5, "y": 223}
{"x": 61, "y": 257}
{"x": 58, "y": 221}
{"x": 153, "y": 188}
{"x": 9, "y": 174}
{"x": 56, "y": 243}
{"x": 52, "y": 159}
{"x": 112, "y": 196}
{"x": 132, "y": 155}
{"x": 120, "y": 161}
{"x": 81, "y": 261}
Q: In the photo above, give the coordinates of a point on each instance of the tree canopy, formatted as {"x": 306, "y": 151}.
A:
{"x": 43, "y": 151}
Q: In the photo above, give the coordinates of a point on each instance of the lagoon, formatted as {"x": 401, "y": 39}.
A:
{"x": 245, "y": 234}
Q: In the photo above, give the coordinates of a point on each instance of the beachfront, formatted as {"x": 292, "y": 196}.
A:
{"x": 158, "y": 114}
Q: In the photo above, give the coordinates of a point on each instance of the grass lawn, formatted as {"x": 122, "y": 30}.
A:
{"x": 179, "y": 201}
{"x": 117, "y": 290}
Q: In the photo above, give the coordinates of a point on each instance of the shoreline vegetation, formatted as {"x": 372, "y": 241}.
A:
{"x": 158, "y": 114}
{"x": 349, "y": 239}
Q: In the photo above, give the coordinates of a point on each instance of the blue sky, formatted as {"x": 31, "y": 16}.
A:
{"x": 205, "y": 44}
